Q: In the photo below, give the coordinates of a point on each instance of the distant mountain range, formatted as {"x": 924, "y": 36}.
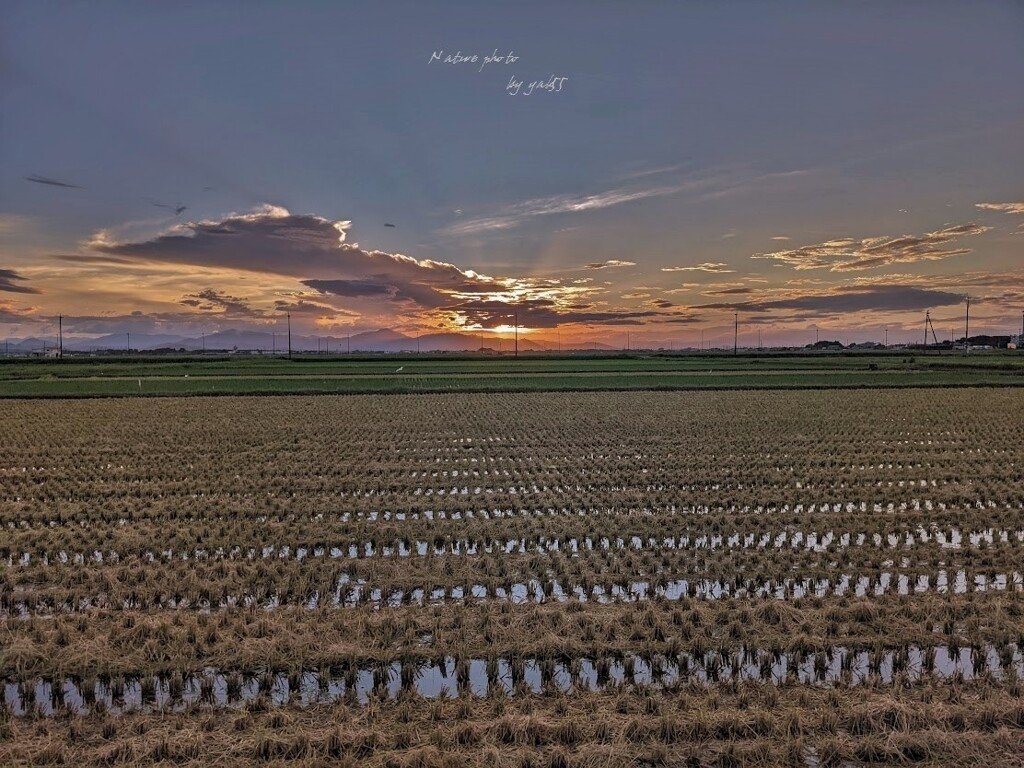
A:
{"x": 382, "y": 340}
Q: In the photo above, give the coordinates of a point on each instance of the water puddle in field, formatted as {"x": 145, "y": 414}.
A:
{"x": 810, "y": 541}
{"x": 449, "y": 678}
{"x": 353, "y": 592}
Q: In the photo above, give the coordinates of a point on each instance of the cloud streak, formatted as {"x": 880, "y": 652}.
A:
{"x": 1001, "y": 207}
{"x": 513, "y": 215}
{"x": 51, "y": 182}
{"x": 848, "y": 299}
{"x": 214, "y": 301}
{"x": 717, "y": 267}
{"x": 716, "y": 183}
{"x": 12, "y": 282}
{"x": 849, "y": 255}
{"x": 12, "y": 314}
{"x": 610, "y": 264}
{"x": 541, "y": 313}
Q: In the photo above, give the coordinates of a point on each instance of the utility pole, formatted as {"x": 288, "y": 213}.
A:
{"x": 517, "y": 332}
{"x": 60, "y": 334}
{"x": 129, "y": 348}
{"x": 758, "y": 339}
{"x": 929, "y": 324}
{"x": 736, "y": 333}
{"x": 289, "y": 316}
{"x": 886, "y": 338}
{"x": 559, "y": 336}
{"x": 967, "y": 326}
{"x": 815, "y": 334}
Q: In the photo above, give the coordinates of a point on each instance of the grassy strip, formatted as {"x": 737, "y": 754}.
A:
{"x": 508, "y": 383}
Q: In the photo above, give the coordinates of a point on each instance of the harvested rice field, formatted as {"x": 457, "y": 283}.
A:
{"x": 679, "y": 578}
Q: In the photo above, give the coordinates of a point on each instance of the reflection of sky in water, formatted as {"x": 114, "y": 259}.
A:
{"x": 482, "y": 677}
{"x": 351, "y": 593}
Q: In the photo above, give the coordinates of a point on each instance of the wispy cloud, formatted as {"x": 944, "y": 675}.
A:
{"x": 12, "y": 282}
{"x": 51, "y": 182}
{"x": 850, "y": 255}
{"x": 545, "y": 206}
{"x": 210, "y": 300}
{"x": 543, "y": 313}
{"x": 1005, "y": 208}
{"x": 846, "y": 299}
{"x": 81, "y": 258}
{"x": 14, "y": 315}
{"x": 610, "y": 264}
{"x": 716, "y": 182}
{"x": 307, "y": 306}
{"x": 17, "y": 224}
{"x": 737, "y": 291}
{"x": 707, "y": 266}
{"x": 1001, "y": 207}
{"x": 655, "y": 171}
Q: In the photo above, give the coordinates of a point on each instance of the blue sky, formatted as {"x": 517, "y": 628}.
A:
{"x": 686, "y": 135}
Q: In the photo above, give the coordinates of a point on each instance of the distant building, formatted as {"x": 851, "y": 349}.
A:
{"x": 867, "y": 345}
{"x": 829, "y": 346}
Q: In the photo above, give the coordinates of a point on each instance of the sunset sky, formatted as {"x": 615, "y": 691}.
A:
{"x": 845, "y": 166}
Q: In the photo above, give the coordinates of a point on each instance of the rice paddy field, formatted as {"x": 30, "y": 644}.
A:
{"x": 213, "y": 375}
{"x": 791, "y": 576}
